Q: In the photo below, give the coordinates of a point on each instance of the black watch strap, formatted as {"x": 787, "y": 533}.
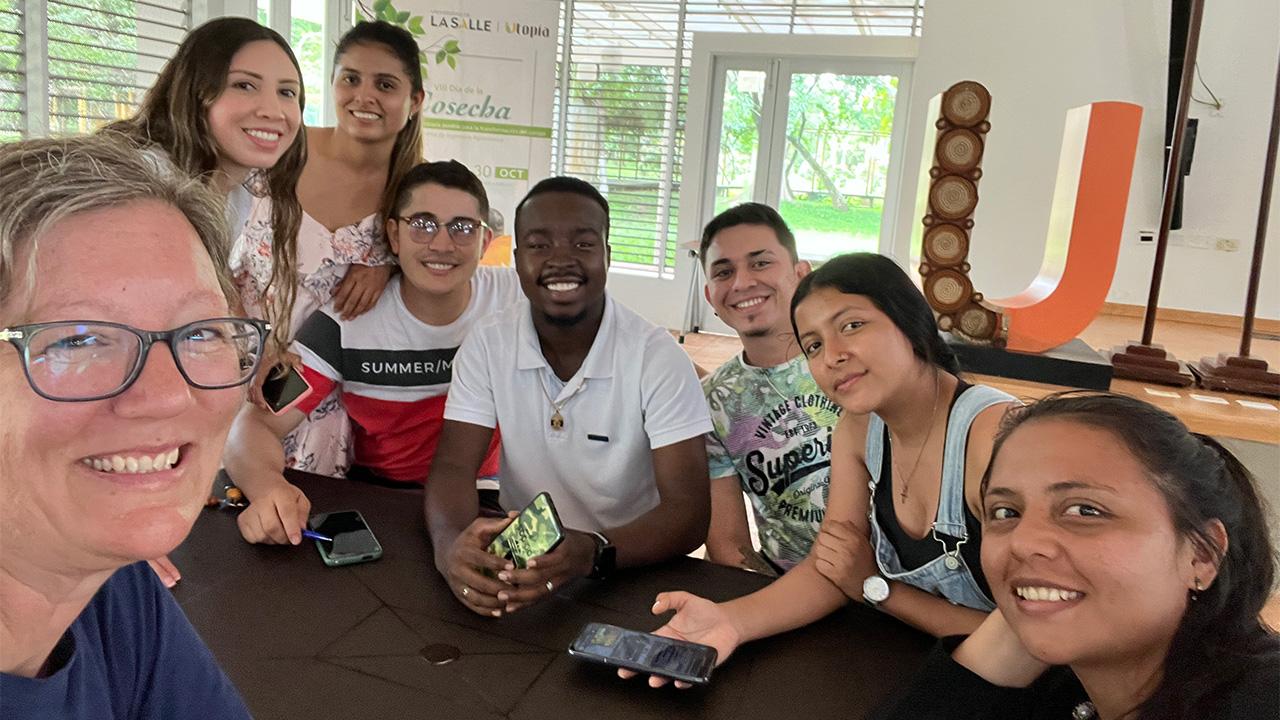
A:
{"x": 606, "y": 558}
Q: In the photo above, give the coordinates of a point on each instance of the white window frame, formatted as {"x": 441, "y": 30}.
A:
{"x": 712, "y": 50}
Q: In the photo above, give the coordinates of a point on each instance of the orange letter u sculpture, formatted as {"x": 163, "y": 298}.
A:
{"x": 1085, "y": 223}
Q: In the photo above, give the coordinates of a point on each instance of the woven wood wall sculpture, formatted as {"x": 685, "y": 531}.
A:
{"x": 952, "y": 198}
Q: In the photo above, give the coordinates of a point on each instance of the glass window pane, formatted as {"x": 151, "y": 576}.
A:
{"x": 308, "y": 45}
{"x": 739, "y": 137}
{"x": 836, "y": 162}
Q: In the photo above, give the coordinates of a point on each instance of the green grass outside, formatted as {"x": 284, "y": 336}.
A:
{"x": 822, "y": 216}
{"x": 821, "y": 230}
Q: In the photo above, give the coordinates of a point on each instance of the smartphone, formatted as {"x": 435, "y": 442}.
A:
{"x": 645, "y": 652}
{"x": 353, "y": 541}
{"x": 535, "y": 531}
{"x": 284, "y": 390}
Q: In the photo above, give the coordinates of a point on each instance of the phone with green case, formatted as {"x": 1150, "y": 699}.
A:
{"x": 535, "y": 531}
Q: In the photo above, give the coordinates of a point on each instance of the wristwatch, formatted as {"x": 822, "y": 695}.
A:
{"x": 875, "y": 590}
{"x": 606, "y": 558}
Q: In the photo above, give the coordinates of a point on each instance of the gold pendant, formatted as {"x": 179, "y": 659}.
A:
{"x": 557, "y": 421}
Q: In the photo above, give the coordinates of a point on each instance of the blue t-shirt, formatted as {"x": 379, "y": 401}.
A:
{"x": 130, "y": 654}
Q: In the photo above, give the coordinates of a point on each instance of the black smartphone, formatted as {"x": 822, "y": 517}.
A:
{"x": 285, "y": 389}
{"x": 645, "y": 652}
{"x": 535, "y": 531}
{"x": 353, "y": 541}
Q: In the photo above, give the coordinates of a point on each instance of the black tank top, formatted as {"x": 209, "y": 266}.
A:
{"x": 913, "y": 553}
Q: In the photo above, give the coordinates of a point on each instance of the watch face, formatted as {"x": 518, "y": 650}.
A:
{"x": 875, "y": 589}
{"x": 605, "y": 558}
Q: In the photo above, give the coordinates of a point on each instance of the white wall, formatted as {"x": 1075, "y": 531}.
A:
{"x": 1038, "y": 60}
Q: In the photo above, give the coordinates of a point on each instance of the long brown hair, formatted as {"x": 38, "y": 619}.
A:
{"x": 1220, "y": 637}
{"x": 892, "y": 292}
{"x": 174, "y": 116}
{"x": 407, "y": 151}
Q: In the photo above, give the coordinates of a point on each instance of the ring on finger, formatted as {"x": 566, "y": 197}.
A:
{"x": 550, "y": 587}
{"x": 465, "y": 591}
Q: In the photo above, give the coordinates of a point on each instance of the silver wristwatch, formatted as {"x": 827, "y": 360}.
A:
{"x": 875, "y": 590}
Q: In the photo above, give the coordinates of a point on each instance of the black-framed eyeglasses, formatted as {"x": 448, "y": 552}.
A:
{"x": 83, "y": 360}
{"x": 463, "y": 231}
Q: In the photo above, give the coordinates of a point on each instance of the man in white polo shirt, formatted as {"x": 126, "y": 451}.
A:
{"x": 598, "y": 407}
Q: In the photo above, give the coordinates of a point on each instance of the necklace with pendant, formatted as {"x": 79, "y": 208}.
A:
{"x": 557, "y": 419}
{"x": 906, "y": 480}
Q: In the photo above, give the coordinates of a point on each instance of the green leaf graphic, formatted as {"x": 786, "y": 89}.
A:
{"x": 415, "y": 26}
{"x": 451, "y": 46}
{"x": 440, "y": 55}
{"x": 403, "y": 17}
{"x": 453, "y": 61}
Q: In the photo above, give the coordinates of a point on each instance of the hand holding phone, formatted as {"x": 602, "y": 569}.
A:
{"x": 645, "y": 652}
{"x": 472, "y": 571}
{"x": 535, "y": 531}
{"x": 284, "y": 389}
{"x": 697, "y": 620}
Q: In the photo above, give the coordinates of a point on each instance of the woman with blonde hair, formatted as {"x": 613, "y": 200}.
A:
{"x": 119, "y": 380}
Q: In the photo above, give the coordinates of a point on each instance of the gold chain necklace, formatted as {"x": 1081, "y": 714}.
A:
{"x": 557, "y": 420}
{"x": 906, "y": 480}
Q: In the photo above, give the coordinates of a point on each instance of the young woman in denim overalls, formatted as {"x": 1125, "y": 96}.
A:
{"x": 901, "y": 530}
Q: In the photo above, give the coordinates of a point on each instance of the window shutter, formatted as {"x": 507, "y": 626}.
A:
{"x": 625, "y": 86}
{"x": 623, "y": 89}
{"x": 13, "y": 78}
{"x": 104, "y": 55}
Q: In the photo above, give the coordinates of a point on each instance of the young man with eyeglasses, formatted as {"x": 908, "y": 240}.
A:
{"x": 392, "y": 366}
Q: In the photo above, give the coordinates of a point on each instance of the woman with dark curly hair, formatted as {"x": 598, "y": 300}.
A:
{"x": 1129, "y": 559}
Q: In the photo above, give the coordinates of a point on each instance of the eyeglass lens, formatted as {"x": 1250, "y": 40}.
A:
{"x": 461, "y": 230}
{"x": 75, "y": 361}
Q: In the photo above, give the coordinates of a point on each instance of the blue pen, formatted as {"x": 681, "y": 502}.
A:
{"x": 313, "y": 535}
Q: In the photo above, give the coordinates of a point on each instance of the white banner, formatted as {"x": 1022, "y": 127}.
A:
{"x": 490, "y": 69}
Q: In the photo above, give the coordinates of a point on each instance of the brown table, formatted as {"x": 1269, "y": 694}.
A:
{"x": 302, "y": 640}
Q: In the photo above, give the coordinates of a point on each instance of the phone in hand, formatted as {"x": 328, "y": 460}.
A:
{"x": 353, "y": 541}
{"x": 284, "y": 389}
{"x": 645, "y": 653}
{"x": 535, "y": 531}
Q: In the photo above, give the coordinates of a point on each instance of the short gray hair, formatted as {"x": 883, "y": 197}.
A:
{"x": 45, "y": 181}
